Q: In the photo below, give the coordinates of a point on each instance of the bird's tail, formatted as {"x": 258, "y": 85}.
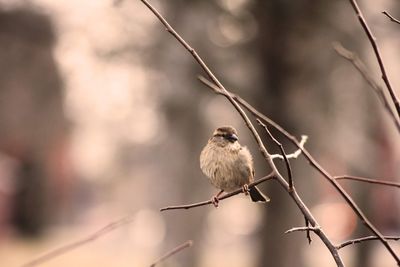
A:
{"x": 257, "y": 196}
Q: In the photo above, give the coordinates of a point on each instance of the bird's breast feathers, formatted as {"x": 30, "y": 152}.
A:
{"x": 227, "y": 167}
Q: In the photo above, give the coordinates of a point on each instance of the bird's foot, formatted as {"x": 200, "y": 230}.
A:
{"x": 215, "y": 201}
{"x": 245, "y": 189}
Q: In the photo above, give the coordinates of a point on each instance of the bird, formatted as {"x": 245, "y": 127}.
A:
{"x": 228, "y": 165}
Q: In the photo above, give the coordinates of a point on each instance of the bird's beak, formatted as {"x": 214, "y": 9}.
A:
{"x": 232, "y": 137}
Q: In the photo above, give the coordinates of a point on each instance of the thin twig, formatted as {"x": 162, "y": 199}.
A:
{"x": 391, "y": 17}
{"x": 295, "y": 154}
{"x": 288, "y": 167}
{"x": 293, "y": 194}
{"x": 314, "y": 163}
{"x": 367, "y": 238}
{"x": 360, "y": 66}
{"x": 74, "y": 245}
{"x": 172, "y": 252}
{"x": 303, "y": 229}
{"x": 208, "y": 202}
{"x": 385, "y": 78}
{"x": 367, "y": 180}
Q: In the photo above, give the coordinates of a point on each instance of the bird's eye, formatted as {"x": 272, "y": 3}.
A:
{"x": 231, "y": 137}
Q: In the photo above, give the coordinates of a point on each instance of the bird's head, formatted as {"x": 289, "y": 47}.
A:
{"x": 225, "y": 134}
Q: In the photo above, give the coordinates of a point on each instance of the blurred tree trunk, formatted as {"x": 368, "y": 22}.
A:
{"x": 285, "y": 42}
{"x": 33, "y": 128}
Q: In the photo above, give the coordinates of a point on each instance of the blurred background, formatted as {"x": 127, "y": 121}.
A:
{"x": 101, "y": 116}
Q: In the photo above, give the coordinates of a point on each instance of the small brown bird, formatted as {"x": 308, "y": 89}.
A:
{"x": 228, "y": 165}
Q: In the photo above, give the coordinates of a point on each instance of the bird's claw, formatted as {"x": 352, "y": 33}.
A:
{"x": 245, "y": 189}
{"x": 215, "y": 201}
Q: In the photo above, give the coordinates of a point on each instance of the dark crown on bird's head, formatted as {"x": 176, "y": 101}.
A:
{"x": 227, "y": 132}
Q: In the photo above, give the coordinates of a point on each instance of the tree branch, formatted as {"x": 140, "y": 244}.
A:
{"x": 367, "y": 180}
{"x": 172, "y": 252}
{"x": 74, "y": 245}
{"x": 391, "y": 17}
{"x": 367, "y": 238}
{"x": 360, "y": 66}
{"x": 231, "y": 194}
{"x": 385, "y": 78}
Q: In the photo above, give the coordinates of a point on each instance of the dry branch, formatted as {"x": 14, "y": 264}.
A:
{"x": 74, "y": 245}
{"x": 363, "y": 239}
{"x": 208, "y": 202}
{"x": 360, "y": 66}
{"x": 172, "y": 252}
{"x": 378, "y": 56}
{"x": 303, "y": 229}
{"x": 367, "y": 180}
{"x": 391, "y": 17}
